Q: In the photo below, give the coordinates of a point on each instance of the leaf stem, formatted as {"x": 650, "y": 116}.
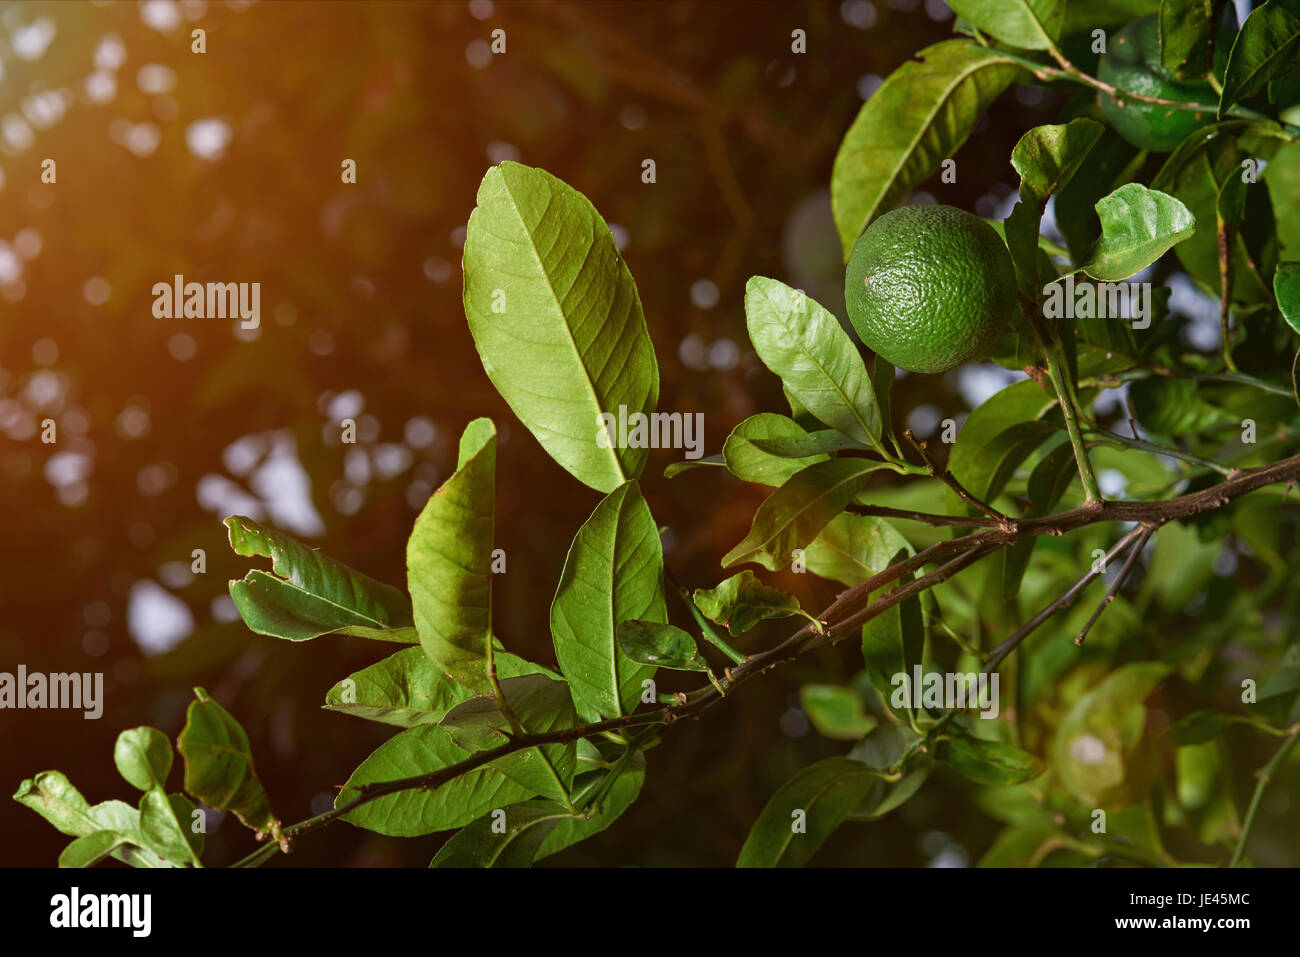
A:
{"x": 1265, "y": 775}
{"x": 1057, "y": 375}
{"x": 1107, "y": 437}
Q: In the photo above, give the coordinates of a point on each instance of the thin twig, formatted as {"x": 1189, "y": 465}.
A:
{"x": 1064, "y": 601}
{"x": 1265, "y": 775}
{"x": 884, "y": 511}
{"x": 1115, "y": 586}
{"x": 950, "y": 480}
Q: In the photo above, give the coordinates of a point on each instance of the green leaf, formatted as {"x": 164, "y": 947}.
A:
{"x": 1138, "y": 226}
{"x": 508, "y": 837}
{"x": 1286, "y": 286}
{"x": 1102, "y": 754}
{"x": 794, "y": 514}
{"x": 1187, "y": 33}
{"x": 1196, "y": 173}
{"x": 622, "y": 794}
{"x": 1028, "y": 24}
{"x": 809, "y": 445}
{"x": 882, "y": 382}
{"x": 613, "y": 573}
{"x": 406, "y": 688}
{"x": 418, "y": 751}
{"x": 90, "y": 850}
{"x": 540, "y": 705}
{"x": 991, "y": 763}
{"x": 750, "y": 463}
{"x": 893, "y": 642}
{"x": 1267, "y": 46}
{"x": 51, "y": 795}
{"x": 449, "y": 563}
{"x": 999, "y": 435}
{"x": 144, "y": 757}
{"x": 1047, "y": 157}
{"x": 920, "y": 116}
{"x": 307, "y": 595}
{"x": 219, "y": 765}
{"x": 1049, "y": 480}
{"x": 557, "y": 320}
{"x": 805, "y": 811}
{"x": 1200, "y": 727}
{"x": 805, "y": 345}
{"x": 835, "y": 711}
{"x": 880, "y": 749}
{"x": 742, "y": 601}
{"x": 166, "y": 827}
{"x": 1172, "y": 407}
{"x": 664, "y": 646}
{"x": 1112, "y": 161}
{"x": 853, "y": 548}
{"x": 677, "y": 468}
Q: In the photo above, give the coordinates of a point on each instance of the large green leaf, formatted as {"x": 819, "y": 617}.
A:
{"x": 1029, "y": 24}
{"x": 621, "y": 795}
{"x": 1267, "y": 46}
{"x": 506, "y": 837}
{"x": 1173, "y": 407}
{"x": 1197, "y": 173}
{"x": 1047, "y": 483}
{"x": 449, "y": 563}
{"x": 407, "y": 688}
{"x": 416, "y": 811}
{"x": 742, "y": 601}
{"x": 613, "y": 573}
{"x": 835, "y": 711}
{"x": 1098, "y": 753}
{"x": 1187, "y": 33}
{"x": 1138, "y": 226}
{"x": 166, "y": 826}
{"x": 805, "y": 811}
{"x": 794, "y": 514}
{"x": 540, "y": 705}
{"x": 306, "y": 594}
{"x": 219, "y": 765}
{"x": 990, "y": 762}
{"x": 893, "y": 642}
{"x": 799, "y": 340}
{"x": 557, "y": 320}
{"x": 746, "y": 459}
{"x": 920, "y": 116}
{"x": 852, "y": 548}
{"x": 999, "y": 435}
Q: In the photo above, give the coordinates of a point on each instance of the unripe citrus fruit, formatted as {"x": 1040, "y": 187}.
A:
{"x": 929, "y": 287}
{"x": 1131, "y": 64}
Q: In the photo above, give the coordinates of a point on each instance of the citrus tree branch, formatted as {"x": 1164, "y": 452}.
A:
{"x": 844, "y": 616}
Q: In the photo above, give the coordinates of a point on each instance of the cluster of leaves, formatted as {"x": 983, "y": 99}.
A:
{"x": 523, "y": 761}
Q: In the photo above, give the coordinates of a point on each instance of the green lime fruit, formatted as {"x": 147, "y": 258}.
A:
{"x": 1131, "y": 64}
{"x": 929, "y": 287}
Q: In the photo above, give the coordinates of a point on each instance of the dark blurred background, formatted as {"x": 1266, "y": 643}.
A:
{"x": 225, "y": 166}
